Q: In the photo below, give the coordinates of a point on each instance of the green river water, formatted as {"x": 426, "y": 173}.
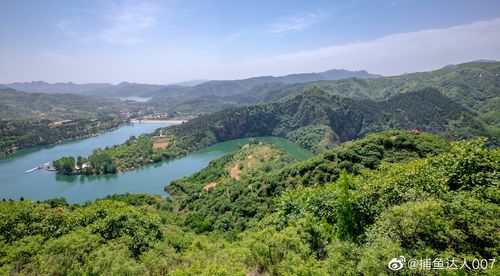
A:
{"x": 41, "y": 184}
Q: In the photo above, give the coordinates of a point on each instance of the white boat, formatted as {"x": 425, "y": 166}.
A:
{"x": 31, "y": 170}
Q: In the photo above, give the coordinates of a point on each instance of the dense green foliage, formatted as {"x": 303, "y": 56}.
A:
{"x": 216, "y": 197}
{"x": 236, "y": 204}
{"x": 388, "y": 195}
{"x": 65, "y": 165}
{"x": 316, "y": 137}
{"x": 135, "y": 152}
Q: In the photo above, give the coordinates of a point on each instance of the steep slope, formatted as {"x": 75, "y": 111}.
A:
{"x": 474, "y": 85}
{"x": 334, "y": 119}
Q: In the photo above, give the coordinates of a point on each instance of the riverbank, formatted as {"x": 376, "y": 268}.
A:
{"x": 173, "y": 122}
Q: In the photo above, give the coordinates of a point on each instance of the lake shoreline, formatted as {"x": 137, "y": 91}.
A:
{"x": 173, "y": 122}
{"x": 20, "y": 150}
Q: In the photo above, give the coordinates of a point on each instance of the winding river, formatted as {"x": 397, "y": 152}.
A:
{"x": 42, "y": 185}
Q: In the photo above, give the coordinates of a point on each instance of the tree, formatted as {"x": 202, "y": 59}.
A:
{"x": 65, "y": 165}
{"x": 79, "y": 162}
{"x": 346, "y": 225}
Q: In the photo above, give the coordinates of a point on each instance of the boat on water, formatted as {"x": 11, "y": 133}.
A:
{"x": 31, "y": 170}
{"x": 45, "y": 166}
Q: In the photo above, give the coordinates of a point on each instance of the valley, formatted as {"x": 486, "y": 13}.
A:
{"x": 250, "y": 138}
{"x": 278, "y": 178}
{"x": 474, "y": 86}
{"x": 315, "y": 119}
{"x": 278, "y": 211}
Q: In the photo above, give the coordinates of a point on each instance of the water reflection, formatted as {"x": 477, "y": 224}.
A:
{"x": 84, "y": 178}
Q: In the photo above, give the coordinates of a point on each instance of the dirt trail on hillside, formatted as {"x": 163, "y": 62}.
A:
{"x": 235, "y": 172}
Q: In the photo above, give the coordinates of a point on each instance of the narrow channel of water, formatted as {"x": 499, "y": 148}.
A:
{"x": 41, "y": 184}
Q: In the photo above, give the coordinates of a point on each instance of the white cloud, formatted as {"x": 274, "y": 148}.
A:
{"x": 394, "y": 54}
{"x": 295, "y": 23}
{"x": 122, "y": 24}
{"x": 127, "y": 23}
{"x": 233, "y": 36}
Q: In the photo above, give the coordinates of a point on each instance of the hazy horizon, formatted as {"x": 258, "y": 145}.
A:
{"x": 186, "y": 82}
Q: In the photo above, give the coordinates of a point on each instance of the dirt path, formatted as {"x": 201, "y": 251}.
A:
{"x": 235, "y": 172}
{"x": 210, "y": 186}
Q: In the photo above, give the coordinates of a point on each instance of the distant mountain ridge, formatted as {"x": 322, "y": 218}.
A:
{"x": 193, "y": 88}
{"x": 475, "y": 85}
{"x": 334, "y": 74}
{"x": 56, "y": 88}
{"x": 233, "y": 87}
{"x": 125, "y": 89}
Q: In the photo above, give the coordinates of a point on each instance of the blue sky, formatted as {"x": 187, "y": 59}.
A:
{"x": 169, "y": 41}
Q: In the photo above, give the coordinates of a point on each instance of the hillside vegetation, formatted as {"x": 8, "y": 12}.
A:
{"x": 315, "y": 119}
{"x": 236, "y": 203}
{"x": 474, "y": 85}
{"x": 348, "y": 211}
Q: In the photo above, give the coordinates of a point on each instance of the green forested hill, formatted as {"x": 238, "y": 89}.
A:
{"x": 474, "y": 85}
{"x": 346, "y": 212}
{"x": 34, "y": 119}
{"x": 315, "y": 119}
{"x": 326, "y": 119}
{"x": 20, "y": 105}
{"x": 467, "y": 83}
{"x": 230, "y": 205}
{"x": 237, "y": 202}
